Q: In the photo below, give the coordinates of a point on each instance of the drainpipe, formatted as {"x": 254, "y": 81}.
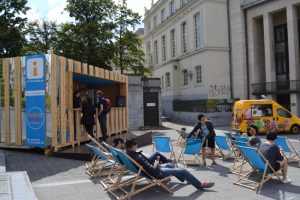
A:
{"x": 230, "y": 52}
{"x": 247, "y": 54}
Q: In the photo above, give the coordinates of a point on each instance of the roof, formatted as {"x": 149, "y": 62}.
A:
{"x": 140, "y": 31}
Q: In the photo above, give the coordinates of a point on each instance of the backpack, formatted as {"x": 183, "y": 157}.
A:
{"x": 108, "y": 106}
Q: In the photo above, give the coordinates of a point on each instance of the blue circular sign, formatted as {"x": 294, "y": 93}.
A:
{"x": 35, "y": 118}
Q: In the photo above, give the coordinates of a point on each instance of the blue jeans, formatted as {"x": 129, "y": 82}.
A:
{"x": 181, "y": 174}
{"x": 152, "y": 157}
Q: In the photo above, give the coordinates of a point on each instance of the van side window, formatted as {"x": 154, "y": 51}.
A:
{"x": 262, "y": 110}
{"x": 283, "y": 113}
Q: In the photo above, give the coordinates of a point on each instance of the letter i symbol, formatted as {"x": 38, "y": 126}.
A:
{"x": 34, "y": 69}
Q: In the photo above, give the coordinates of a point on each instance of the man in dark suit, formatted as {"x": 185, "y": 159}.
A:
{"x": 88, "y": 119}
{"x": 207, "y": 134}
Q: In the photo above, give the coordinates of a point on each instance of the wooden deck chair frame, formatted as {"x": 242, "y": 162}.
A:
{"x": 238, "y": 159}
{"x": 182, "y": 160}
{"x": 242, "y": 178}
{"x": 138, "y": 178}
{"x": 230, "y": 150}
{"x": 172, "y": 153}
{"x": 181, "y": 138}
{"x": 293, "y": 155}
{"x": 99, "y": 167}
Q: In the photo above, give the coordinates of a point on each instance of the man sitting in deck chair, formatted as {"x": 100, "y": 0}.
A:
{"x": 161, "y": 171}
{"x": 120, "y": 144}
{"x": 272, "y": 153}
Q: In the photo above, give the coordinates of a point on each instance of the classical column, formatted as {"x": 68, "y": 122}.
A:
{"x": 269, "y": 50}
{"x": 293, "y": 38}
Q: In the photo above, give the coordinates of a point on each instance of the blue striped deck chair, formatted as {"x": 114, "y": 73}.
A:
{"x": 243, "y": 139}
{"x": 289, "y": 151}
{"x": 236, "y": 134}
{"x": 222, "y": 145}
{"x": 238, "y": 160}
{"x": 259, "y": 164}
{"x": 229, "y": 136}
{"x": 163, "y": 144}
{"x": 192, "y": 147}
{"x": 100, "y": 163}
{"x": 140, "y": 176}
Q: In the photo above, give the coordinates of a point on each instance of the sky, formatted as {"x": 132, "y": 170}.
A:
{"x": 54, "y": 9}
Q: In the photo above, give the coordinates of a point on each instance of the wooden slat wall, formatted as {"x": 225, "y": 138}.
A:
{"x": 6, "y": 76}
{"x": 54, "y": 100}
{"x": 70, "y": 101}
{"x": 62, "y": 100}
{"x": 18, "y": 101}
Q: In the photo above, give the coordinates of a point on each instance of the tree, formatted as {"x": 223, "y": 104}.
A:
{"x": 42, "y": 36}
{"x": 132, "y": 54}
{"x": 11, "y": 27}
{"x": 90, "y": 38}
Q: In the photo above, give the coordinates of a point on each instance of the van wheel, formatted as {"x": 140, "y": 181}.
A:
{"x": 295, "y": 129}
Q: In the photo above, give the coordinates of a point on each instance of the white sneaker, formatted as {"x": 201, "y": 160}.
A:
{"x": 286, "y": 180}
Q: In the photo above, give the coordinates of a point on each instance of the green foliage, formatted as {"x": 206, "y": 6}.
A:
{"x": 42, "y": 36}
{"x": 11, "y": 27}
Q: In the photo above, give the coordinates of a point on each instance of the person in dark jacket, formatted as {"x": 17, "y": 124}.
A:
{"x": 161, "y": 171}
{"x": 102, "y": 108}
{"x": 88, "y": 118}
{"x": 207, "y": 134}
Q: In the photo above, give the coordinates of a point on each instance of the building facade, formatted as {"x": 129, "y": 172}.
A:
{"x": 265, "y": 50}
{"x": 187, "y": 47}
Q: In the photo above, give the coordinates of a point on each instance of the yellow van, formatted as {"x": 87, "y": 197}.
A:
{"x": 263, "y": 116}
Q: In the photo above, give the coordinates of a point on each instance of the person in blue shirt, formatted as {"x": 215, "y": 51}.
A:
{"x": 207, "y": 134}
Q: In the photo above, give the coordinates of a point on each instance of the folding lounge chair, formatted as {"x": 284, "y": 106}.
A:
{"x": 290, "y": 153}
{"x": 192, "y": 147}
{"x": 163, "y": 144}
{"x": 238, "y": 160}
{"x": 229, "y": 136}
{"x": 222, "y": 145}
{"x": 100, "y": 163}
{"x": 141, "y": 176}
{"x": 259, "y": 164}
{"x": 181, "y": 138}
{"x": 243, "y": 139}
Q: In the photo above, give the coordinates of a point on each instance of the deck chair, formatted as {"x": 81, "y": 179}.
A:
{"x": 259, "y": 164}
{"x": 101, "y": 162}
{"x": 181, "y": 138}
{"x": 192, "y": 147}
{"x": 243, "y": 139}
{"x": 229, "y": 136}
{"x": 289, "y": 151}
{"x": 140, "y": 176}
{"x": 238, "y": 158}
{"x": 163, "y": 144}
{"x": 222, "y": 145}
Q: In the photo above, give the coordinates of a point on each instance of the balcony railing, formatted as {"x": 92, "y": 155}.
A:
{"x": 276, "y": 87}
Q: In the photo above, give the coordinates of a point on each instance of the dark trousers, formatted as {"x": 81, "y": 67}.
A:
{"x": 102, "y": 122}
{"x": 89, "y": 129}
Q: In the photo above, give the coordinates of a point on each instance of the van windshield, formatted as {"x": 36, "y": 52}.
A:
{"x": 262, "y": 110}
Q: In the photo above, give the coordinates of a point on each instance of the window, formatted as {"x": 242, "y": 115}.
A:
{"x": 168, "y": 79}
{"x": 183, "y": 2}
{"x": 185, "y": 77}
{"x": 197, "y": 30}
{"x": 155, "y": 52}
{"x": 162, "y": 15}
{"x": 163, "y": 47}
{"x": 262, "y": 110}
{"x": 183, "y": 37}
{"x": 162, "y": 81}
{"x": 173, "y": 47}
{"x": 283, "y": 113}
{"x": 199, "y": 74}
{"x": 155, "y": 21}
{"x": 172, "y": 7}
{"x": 148, "y": 47}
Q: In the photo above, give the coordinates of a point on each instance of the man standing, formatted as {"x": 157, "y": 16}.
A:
{"x": 102, "y": 111}
{"x": 207, "y": 134}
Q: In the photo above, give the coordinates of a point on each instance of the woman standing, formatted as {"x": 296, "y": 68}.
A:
{"x": 88, "y": 119}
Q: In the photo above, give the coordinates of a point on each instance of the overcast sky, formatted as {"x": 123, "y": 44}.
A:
{"x": 54, "y": 9}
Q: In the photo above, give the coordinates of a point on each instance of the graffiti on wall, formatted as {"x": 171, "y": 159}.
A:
{"x": 219, "y": 90}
